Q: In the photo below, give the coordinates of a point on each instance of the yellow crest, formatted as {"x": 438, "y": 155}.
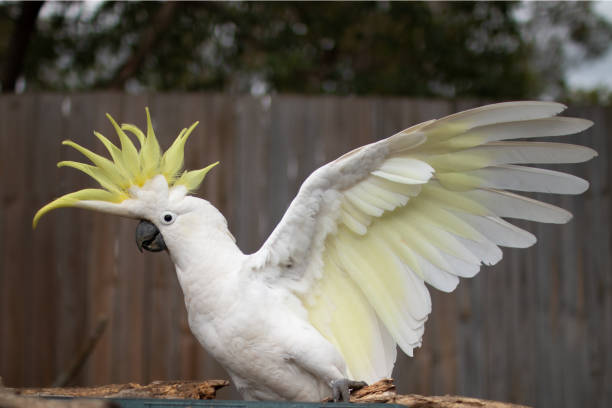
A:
{"x": 129, "y": 167}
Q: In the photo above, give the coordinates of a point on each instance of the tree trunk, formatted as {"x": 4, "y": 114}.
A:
{"x": 18, "y": 46}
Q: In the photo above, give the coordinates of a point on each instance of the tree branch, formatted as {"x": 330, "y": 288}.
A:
{"x": 75, "y": 365}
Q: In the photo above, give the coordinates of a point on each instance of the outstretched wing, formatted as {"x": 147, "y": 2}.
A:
{"x": 368, "y": 230}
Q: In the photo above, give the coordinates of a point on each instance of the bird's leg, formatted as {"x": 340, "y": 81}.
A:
{"x": 341, "y": 389}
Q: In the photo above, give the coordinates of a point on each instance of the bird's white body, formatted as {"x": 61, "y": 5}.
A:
{"x": 341, "y": 282}
{"x": 258, "y": 332}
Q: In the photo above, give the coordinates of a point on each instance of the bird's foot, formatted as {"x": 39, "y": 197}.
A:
{"x": 341, "y": 389}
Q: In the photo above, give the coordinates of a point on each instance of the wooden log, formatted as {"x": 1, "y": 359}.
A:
{"x": 10, "y": 398}
{"x": 383, "y": 391}
{"x": 380, "y": 392}
{"x": 157, "y": 389}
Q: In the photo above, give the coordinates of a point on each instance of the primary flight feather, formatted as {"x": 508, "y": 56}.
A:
{"x": 343, "y": 279}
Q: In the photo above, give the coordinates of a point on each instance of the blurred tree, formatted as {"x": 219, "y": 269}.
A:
{"x": 148, "y": 38}
{"x": 564, "y": 34}
{"x": 485, "y": 49}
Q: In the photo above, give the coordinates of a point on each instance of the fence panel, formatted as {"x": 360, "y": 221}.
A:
{"x": 535, "y": 329}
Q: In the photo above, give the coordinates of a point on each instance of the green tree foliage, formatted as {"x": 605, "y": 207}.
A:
{"x": 482, "y": 49}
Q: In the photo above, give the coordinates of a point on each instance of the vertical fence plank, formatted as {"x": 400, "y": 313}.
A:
{"x": 42, "y": 320}
{"x": 16, "y": 304}
{"x": 257, "y": 147}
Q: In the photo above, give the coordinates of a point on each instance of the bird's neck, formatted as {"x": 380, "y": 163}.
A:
{"x": 207, "y": 260}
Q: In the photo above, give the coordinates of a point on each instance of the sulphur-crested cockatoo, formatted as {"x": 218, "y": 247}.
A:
{"x": 342, "y": 279}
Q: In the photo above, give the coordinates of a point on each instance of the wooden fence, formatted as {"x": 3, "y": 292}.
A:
{"x": 536, "y": 329}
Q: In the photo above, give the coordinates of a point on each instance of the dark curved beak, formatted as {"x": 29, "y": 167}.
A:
{"x": 149, "y": 237}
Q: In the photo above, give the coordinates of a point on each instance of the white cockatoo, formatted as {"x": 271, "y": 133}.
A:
{"x": 342, "y": 279}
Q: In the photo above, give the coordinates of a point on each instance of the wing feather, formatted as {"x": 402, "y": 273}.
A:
{"x": 496, "y": 153}
{"x": 517, "y": 178}
{"x": 502, "y": 112}
{"x": 510, "y": 205}
{"x": 554, "y": 126}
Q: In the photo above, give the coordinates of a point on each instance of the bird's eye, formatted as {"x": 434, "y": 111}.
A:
{"x": 168, "y": 217}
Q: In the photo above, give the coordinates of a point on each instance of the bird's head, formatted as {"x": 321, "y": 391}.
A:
{"x": 144, "y": 184}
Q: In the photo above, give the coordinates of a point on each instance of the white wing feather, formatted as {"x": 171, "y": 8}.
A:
{"x": 367, "y": 231}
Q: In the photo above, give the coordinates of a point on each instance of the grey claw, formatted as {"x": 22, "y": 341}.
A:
{"x": 341, "y": 389}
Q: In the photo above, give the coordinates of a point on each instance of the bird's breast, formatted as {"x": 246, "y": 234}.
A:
{"x": 253, "y": 339}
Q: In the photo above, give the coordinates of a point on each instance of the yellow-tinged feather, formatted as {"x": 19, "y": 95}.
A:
{"x": 347, "y": 320}
{"x": 150, "y": 154}
{"x": 128, "y": 150}
{"x": 409, "y": 168}
{"x": 395, "y": 199}
{"x": 362, "y": 205}
{"x": 415, "y": 240}
{"x": 409, "y": 190}
{"x": 379, "y": 274}
{"x": 453, "y": 200}
{"x": 359, "y": 266}
{"x": 390, "y": 272}
{"x": 461, "y": 161}
{"x": 447, "y": 220}
{"x": 92, "y": 171}
{"x": 352, "y": 223}
{"x": 372, "y": 198}
{"x": 108, "y": 167}
{"x": 172, "y": 160}
{"x": 71, "y": 199}
{"x": 443, "y": 240}
{"x": 134, "y": 130}
{"x": 494, "y": 153}
{"x": 459, "y": 181}
{"x": 192, "y": 179}
{"x": 113, "y": 150}
{"x": 393, "y": 238}
{"x": 356, "y": 213}
{"x": 407, "y": 140}
{"x": 396, "y": 178}
{"x": 461, "y": 142}
{"x": 116, "y": 155}
{"x": 439, "y": 131}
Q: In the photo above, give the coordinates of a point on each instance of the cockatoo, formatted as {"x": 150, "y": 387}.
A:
{"x": 341, "y": 281}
